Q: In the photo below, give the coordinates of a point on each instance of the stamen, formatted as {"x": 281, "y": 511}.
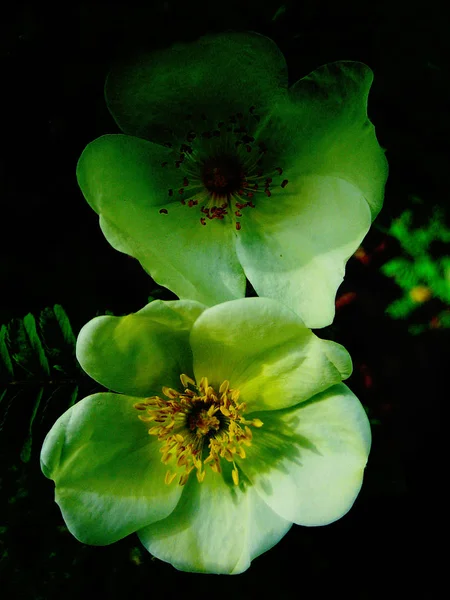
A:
{"x": 223, "y": 167}
{"x": 198, "y": 427}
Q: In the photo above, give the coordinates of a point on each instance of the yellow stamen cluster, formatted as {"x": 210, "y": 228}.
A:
{"x": 198, "y": 427}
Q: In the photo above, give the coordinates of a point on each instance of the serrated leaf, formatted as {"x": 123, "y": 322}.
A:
{"x": 64, "y": 323}
{"x": 26, "y": 450}
{"x": 74, "y": 396}
{"x": 30, "y": 327}
{"x": 4, "y": 353}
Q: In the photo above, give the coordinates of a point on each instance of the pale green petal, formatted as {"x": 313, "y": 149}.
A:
{"x": 295, "y": 245}
{"x": 216, "y": 528}
{"x": 307, "y": 462}
{"x": 122, "y": 179}
{"x": 139, "y": 353}
{"x": 217, "y": 75}
{"x": 323, "y": 129}
{"x": 107, "y": 470}
{"x": 264, "y": 350}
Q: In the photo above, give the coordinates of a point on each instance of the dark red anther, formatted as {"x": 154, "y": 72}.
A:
{"x": 224, "y": 205}
{"x": 163, "y": 211}
{"x": 238, "y": 213}
{"x": 256, "y": 186}
{"x": 268, "y": 180}
{"x": 267, "y": 192}
{"x": 279, "y": 169}
{"x": 183, "y": 202}
{"x": 250, "y": 195}
{"x": 252, "y": 109}
{"x": 238, "y": 225}
{"x": 250, "y": 204}
{"x": 203, "y": 220}
{"x": 248, "y": 148}
{"x": 178, "y": 163}
{"x": 170, "y": 192}
{"x": 164, "y": 164}
{"x": 185, "y": 182}
{"x": 284, "y": 183}
{"x": 181, "y": 191}
{"x": 239, "y": 205}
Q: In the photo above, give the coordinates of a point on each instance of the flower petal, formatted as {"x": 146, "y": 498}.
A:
{"x": 218, "y": 75}
{"x": 216, "y": 528}
{"x": 266, "y": 352}
{"x": 122, "y": 179}
{"x": 294, "y": 246}
{"x": 323, "y": 129}
{"x": 307, "y": 462}
{"x": 138, "y": 353}
{"x": 107, "y": 470}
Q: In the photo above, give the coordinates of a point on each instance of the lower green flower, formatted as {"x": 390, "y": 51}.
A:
{"x": 223, "y": 433}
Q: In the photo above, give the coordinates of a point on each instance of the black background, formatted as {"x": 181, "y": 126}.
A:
{"x": 54, "y": 61}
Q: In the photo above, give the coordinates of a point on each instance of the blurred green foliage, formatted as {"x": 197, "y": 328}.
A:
{"x": 421, "y": 275}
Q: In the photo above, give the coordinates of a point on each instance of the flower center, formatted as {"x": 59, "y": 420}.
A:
{"x": 223, "y": 169}
{"x": 198, "y": 427}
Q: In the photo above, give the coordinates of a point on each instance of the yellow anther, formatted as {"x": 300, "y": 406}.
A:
{"x": 179, "y": 437}
{"x": 225, "y": 411}
{"x": 224, "y": 387}
{"x": 201, "y": 476}
{"x": 186, "y": 380}
{"x": 203, "y": 385}
{"x": 183, "y": 478}
{"x": 170, "y": 392}
{"x": 257, "y": 423}
{"x": 235, "y": 395}
{"x": 169, "y": 477}
{"x": 235, "y": 475}
{"x": 241, "y": 452}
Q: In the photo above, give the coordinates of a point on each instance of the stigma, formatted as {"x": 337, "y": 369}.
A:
{"x": 224, "y": 169}
{"x": 198, "y": 428}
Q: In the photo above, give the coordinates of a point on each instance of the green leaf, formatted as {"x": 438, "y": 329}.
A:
{"x": 26, "y": 450}
{"x": 4, "y": 354}
{"x": 35, "y": 343}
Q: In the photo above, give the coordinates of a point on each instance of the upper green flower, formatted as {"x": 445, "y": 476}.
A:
{"x": 243, "y": 177}
{"x": 250, "y": 431}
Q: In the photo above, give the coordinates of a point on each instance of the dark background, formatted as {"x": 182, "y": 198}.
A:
{"x": 54, "y": 61}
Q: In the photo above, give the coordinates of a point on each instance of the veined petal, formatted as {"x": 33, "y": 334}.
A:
{"x": 216, "y": 528}
{"x": 122, "y": 179}
{"x": 217, "y": 74}
{"x": 107, "y": 470}
{"x": 264, "y": 350}
{"x": 307, "y": 462}
{"x": 295, "y": 245}
{"x": 323, "y": 129}
{"x": 138, "y": 353}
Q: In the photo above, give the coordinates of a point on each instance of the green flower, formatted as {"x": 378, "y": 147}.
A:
{"x": 242, "y": 177}
{"x": 223, "y": 433}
